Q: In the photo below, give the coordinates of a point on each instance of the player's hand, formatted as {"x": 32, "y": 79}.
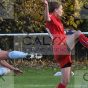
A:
{"x": 45, "y": 2}
{"x": 18, "y": 71}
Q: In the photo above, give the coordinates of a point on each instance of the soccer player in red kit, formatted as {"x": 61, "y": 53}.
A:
{"x": 62, "y": 44}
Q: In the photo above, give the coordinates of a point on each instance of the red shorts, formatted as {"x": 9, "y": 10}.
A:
{"x": 62, "y": 60}
{"x": 62, "y": 54}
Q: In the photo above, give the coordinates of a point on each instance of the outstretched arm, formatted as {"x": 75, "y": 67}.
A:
{"x": 46, "y": 13}
{"x": 7, "y": 65}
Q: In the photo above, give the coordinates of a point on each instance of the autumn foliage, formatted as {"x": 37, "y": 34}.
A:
{"x": 28, "y": 16}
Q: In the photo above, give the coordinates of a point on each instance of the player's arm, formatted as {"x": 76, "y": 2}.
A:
{"x": 46, "y": 12}
{"x": 7, "y": 65}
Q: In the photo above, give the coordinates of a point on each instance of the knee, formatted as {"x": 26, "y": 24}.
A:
{"x": 78, "y": 33}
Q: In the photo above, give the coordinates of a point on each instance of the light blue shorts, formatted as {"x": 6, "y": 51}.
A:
{"x": 17, "y": 55}
{"x": 3, "y": 71}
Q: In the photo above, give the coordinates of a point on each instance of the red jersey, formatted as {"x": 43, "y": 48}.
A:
{"x": 56, "y": 28}
{"x": 60, "y": 50}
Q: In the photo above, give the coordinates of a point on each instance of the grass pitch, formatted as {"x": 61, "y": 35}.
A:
{"x": 43, "y": 78}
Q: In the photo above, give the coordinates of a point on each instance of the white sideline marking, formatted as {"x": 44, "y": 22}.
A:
{"x": 33, "y": 85}
{"x": 40, "y": 85}
{"x": 78, "y": 86}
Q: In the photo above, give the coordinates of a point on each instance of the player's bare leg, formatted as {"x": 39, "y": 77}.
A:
{"x": 66, "y": 74}
{"x": 74, "y": 38}
{"x": 3, "y": 55}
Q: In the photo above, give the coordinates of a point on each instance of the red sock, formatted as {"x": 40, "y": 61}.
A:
{"x": 61, "y": 86}
{"x": 83, "y": 40}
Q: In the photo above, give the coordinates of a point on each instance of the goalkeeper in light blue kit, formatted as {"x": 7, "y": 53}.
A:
{"x": 5, "y": 67}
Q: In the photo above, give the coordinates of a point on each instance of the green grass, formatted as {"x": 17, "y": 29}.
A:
{"x": 42, "y": 78}
{"x": 37, "y": 78}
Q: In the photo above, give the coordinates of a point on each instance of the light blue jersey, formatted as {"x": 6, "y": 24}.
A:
{"x": 17, "y": 55}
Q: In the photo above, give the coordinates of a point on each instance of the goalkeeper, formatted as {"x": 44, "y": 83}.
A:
{"x": 5, "y": 67}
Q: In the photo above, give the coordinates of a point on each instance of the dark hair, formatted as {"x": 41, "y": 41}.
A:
{"x": 53, "y": 5}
